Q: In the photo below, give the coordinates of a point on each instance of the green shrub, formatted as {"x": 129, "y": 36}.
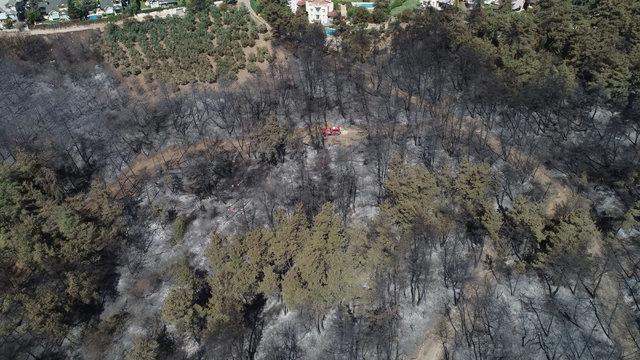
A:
{"x": 180, "y": 227}
{"x": 253, "y": 68}
{"x": 396, "y": 3}
{"x": 144, "y": 348}
{"x": 270, "y": 58}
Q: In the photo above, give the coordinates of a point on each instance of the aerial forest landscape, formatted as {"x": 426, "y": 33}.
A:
{"x": 320, "y": 179}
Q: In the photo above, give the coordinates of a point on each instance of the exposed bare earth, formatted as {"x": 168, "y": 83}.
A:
{"x": 173, "y": 157}
{"x": 51, "y": 31}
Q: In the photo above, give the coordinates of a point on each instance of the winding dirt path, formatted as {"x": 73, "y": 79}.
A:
{"x": 254, "y": 15}
{"x": 172, "y": 157}
{"x": 557, "y": 192}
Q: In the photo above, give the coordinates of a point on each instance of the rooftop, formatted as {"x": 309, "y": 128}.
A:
{"x": 318, "y": 2}
{"x": 51, "y": 5}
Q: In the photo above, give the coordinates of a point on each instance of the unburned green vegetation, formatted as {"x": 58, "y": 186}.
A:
{"x": 57, "y": 249}
{"x": 180, "y": 227}
{"x": 208, "y": 46}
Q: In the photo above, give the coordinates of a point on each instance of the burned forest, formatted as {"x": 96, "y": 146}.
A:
{"x": 452, "y": 184}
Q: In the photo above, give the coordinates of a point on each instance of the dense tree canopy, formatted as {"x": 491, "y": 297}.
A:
{"x": 57, "y": 252}
{"x": 591, "y": 43}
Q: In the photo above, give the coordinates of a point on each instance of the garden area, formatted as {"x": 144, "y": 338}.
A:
{"x": 376, "y": 12}
{"x": 390, "y": 7}
{"x": 211, "y": 46}
{"x": 396, "y": 7}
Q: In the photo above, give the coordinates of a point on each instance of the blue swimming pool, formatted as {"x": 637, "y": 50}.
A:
{"x": 94, "y": 17}
{"x": 329, "y": 31}
{"x": 365, "y": 5}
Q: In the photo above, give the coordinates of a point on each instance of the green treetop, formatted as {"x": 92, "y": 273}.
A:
{"x": 57, "y": 250}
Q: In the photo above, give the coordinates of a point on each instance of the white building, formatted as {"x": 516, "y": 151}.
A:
{"x": 437, "y": 4}
{"x": 162, "y": 3}
{"x": 54, "y": 16}
{"x": 320, "y": 11}
{"x": 518, "y": 4}
{"x": 293, "y": 5}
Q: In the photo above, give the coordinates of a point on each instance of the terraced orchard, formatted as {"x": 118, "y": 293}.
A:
{"x": 211, "y": 46}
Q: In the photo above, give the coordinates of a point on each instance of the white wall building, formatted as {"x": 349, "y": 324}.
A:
{"x": 518, "y": 4}
{"x": 437, "y": 4}
{"x": 319, "y": 11}
{"x": 293, "y": 5}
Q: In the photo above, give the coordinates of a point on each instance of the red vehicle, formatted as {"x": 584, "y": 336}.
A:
{"x": 330, "y": 131}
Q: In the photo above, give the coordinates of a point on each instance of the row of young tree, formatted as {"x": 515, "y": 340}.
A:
{"x": 204, "y": 46}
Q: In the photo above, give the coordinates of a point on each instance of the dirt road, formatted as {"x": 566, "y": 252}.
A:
{"x": 174, "y": 156}
{"x": 92, "y": 25}
{"x": 254, "y": 15}
{"x": 103, "y": 25}
{"x": 52, "y": 31}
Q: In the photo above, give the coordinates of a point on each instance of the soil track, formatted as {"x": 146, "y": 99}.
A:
{"x": 52, "y": 31}
{"x": 254, "y": 15}
{"x": 170, "y": 157}
{"x": 174, "y": 156}
{"x": 557, "y": 192}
